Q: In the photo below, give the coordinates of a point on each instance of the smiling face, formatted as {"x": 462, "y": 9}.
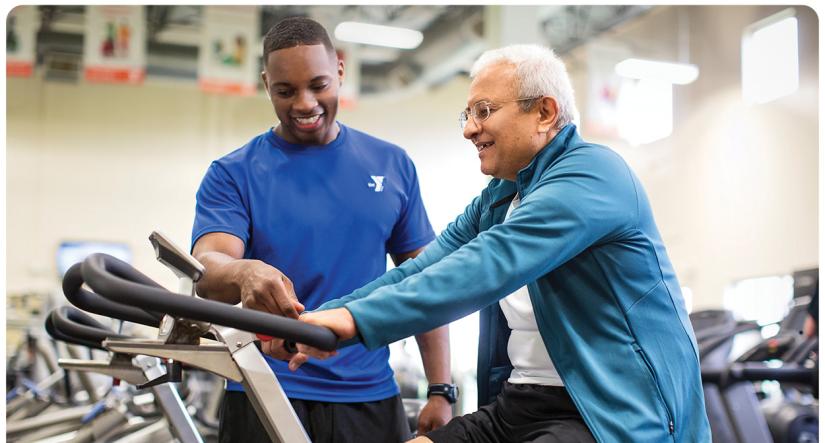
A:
{"x": 509, "y": 138}
{"x": 302, "y": 83}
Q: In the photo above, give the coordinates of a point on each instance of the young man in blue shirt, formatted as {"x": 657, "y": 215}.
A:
{"x": 312, "y": 207}
{"x": 584, "y": 333}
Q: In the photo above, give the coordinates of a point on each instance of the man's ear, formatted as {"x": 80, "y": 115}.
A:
{"x": 340, "y": 72}
{"x": 266, "y": 83}
{"x": 548, "y": 114}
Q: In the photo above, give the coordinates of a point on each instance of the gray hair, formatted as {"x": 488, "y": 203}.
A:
{"x": 539, "y": 72}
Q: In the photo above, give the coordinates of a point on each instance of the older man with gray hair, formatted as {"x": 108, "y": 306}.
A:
{"x": 584, "y": 331}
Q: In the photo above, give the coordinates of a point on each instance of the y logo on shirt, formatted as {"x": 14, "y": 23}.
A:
{"x": 378, "y": 182}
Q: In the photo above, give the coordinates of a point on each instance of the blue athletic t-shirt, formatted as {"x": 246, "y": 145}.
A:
{"x": 326, "y": 216}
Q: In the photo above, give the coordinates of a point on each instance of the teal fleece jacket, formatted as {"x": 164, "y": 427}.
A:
{"x": 606, "y": 299}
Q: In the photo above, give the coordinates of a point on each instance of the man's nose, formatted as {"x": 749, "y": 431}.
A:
{"x": 305, "y": 101}
{"x": 471, "y": 129}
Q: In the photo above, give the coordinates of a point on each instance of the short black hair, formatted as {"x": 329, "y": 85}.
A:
{"x": 296, "y": 31}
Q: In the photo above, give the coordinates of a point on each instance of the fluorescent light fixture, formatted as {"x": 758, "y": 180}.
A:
{"x": 675, "y": 73}
{"x": 378, "y": 35}
{"x": 770, "y": 58}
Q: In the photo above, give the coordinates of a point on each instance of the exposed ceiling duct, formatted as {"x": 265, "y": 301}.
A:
{"x": 566, "y": 27}
{"x": 450, "y": 45}
{"x": 453, "y": 38}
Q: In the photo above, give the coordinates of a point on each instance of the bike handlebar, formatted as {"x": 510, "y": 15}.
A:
{"x": 57, "y": 335}
{"x": 91, "y": 302}
{"x": 121, "y": 283}
{"x": 72, "y": 325}
{"x": 753, "y": 371}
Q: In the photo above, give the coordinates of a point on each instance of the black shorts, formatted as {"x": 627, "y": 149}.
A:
{"x": 325, "y": 422}
{"x": 521, "y": 413}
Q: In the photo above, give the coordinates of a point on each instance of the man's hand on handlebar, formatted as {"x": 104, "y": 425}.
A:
{"x": 265, "y": 288}
{"x": 338, "y": 320}
{"x": 275, "y": 349}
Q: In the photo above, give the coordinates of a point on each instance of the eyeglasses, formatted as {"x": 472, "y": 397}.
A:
{"x": 482, "y": 110}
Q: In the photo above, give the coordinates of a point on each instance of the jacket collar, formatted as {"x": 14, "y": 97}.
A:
{"x": 529, "y": 175}
{"x": 503, "y": 191}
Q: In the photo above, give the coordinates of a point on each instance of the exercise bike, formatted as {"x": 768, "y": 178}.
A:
{"x": 209, "y": 335}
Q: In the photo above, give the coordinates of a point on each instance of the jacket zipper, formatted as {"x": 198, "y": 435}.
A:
{"x": 670, "y": 425}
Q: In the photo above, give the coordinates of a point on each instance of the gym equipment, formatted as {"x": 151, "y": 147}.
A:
{"x": 48, "y": 404}
{"x": 233, "y": 354}
{"x": 74, "y": 326}
{"x": 734, "y": 400}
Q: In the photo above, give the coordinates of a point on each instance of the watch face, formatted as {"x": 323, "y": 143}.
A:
{"x": 450, "y": 392}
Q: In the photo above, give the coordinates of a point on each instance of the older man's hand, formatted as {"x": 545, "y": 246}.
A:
{"x": 275, "y": 349}
{"x": 338, "y": 320}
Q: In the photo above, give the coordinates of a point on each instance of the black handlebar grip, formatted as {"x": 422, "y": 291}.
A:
{"x": 754, "y": 371}
{"x": 59, "y": 335}
{"x": 91, "y": 302}
{"x": 121, "y": 283}
{"x": 77, "y": 324}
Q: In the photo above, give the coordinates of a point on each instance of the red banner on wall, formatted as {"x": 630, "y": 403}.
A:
{"x": 114, "y": 48}
{"x": 21, "y": 29}
{"x": 227, "y": 63}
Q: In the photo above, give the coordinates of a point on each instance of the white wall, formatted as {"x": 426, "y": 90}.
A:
{"x": 105, "y": 162}
{"x": 734, "y": 188}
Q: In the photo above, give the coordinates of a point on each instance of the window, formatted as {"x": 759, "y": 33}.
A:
{"x": 687, "y": 294}
{"x": 770, "y": 58}
{"x": 763, "y": 299}
{"x": 645, "y": 100}
{"x": 645, "y": 110}
{"x": 71, "y": 252}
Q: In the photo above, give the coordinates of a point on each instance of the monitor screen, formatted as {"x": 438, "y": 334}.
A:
{"x": 71, "y": 252}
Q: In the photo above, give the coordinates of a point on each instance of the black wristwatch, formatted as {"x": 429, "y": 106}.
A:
{"x": 448, "y": 391}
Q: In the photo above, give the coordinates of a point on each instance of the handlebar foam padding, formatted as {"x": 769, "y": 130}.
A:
{"x": 75, "y": 323}
{"x": 752, "y": 371}
{"x": 121, "y": 283}
{"x": 58, "y": 335}
{"x": 91, "y": 302}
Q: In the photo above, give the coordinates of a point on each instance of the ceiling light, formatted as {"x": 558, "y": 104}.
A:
{"x": 378, "y": 35}
{"x": 676, "y": 73}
